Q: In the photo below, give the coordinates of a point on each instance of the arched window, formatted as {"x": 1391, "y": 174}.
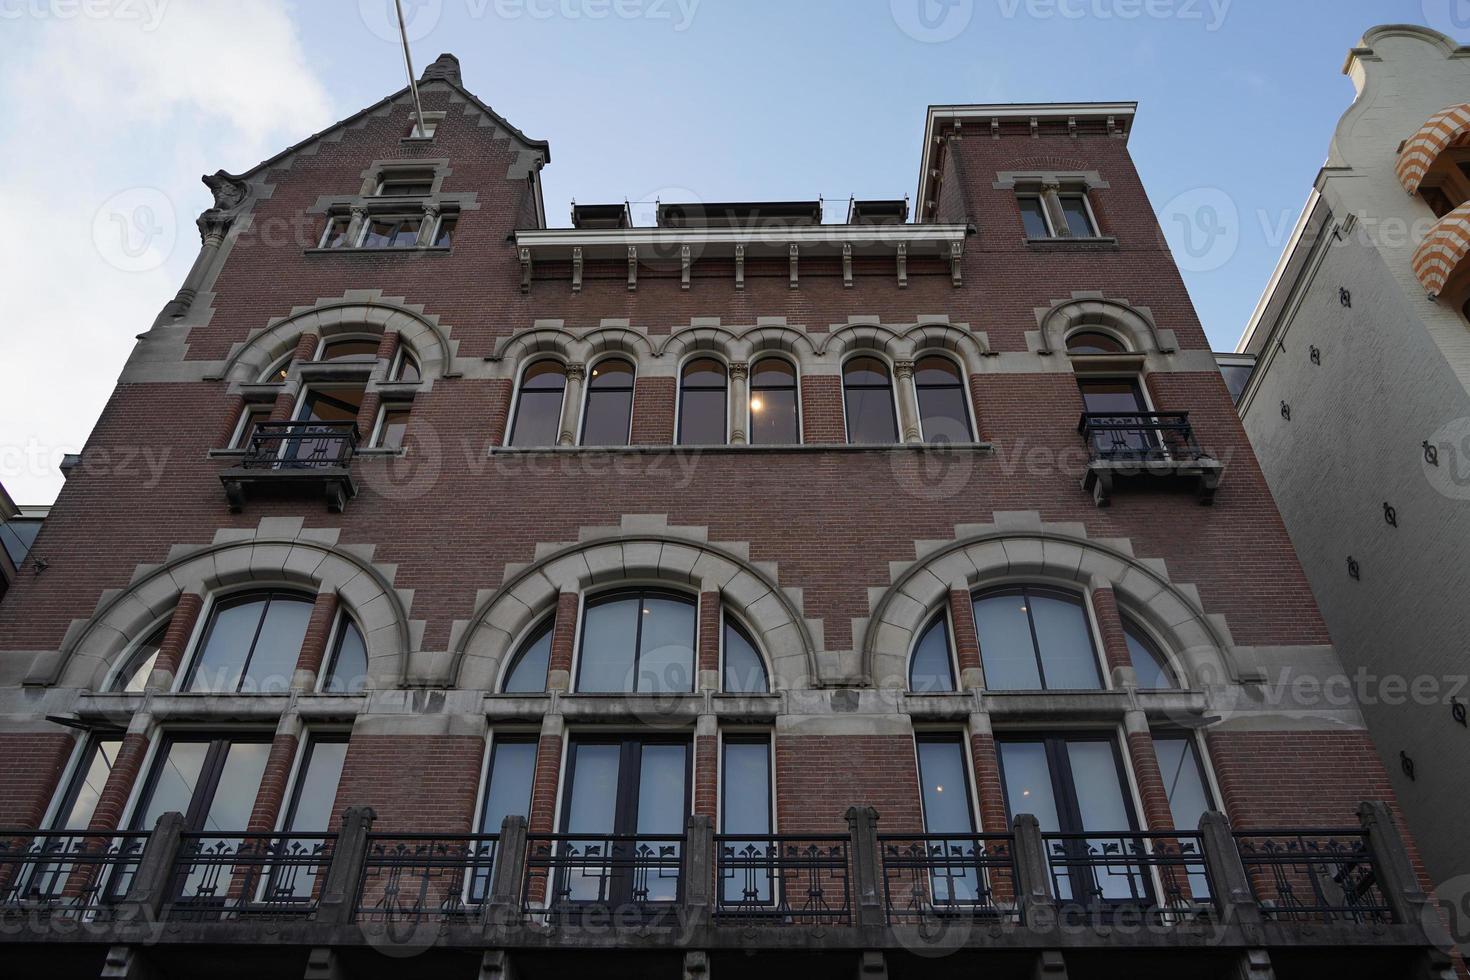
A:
{"x": 867, "y": 390}
{"x": 931, "y": 669}
{"x": 774, "y": 416}
{"x": 1035, "y": 638}
{"x": 703, "y": 413}
{"x": 944, "y": 414}
{"x": 744, "y": 672}
{"x": 1149, "y": 663}
{"x": 538, "y": 410}
{"x": 359, "y": 350}
{"x": 637, "y": 641}
{"x": 1094, "y": 342}
{"x": 251, "y": 644}
{"x": 133, "y": 678}
{"x": 527, "y": 673}
{"x": 348, "y": 668}
{"x": 608, "y": 417}
{"x": 278, "y": 370}
{"x": 407, "y": 368}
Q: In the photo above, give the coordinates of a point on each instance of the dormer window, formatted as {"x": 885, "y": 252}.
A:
{"x": 406, "y": 183}
{"x": 426, "y": 128}
{"x": 1056, "y": 207}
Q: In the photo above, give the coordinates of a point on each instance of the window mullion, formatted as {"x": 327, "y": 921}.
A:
{"x": 254, "y": 639}
{"x": 1035, "y": 640}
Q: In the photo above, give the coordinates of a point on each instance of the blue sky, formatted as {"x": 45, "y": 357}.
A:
{"x": 640, "y": 99}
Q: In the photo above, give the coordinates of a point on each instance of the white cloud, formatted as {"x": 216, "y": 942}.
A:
{"x": 109, "y": 122}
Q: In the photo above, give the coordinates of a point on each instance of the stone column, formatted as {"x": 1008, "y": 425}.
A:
{"x": 739, "y": 403}
{"x": 176, "y": 641}
{"x": 430, "y": 225}
{"x": 571, "y": 405}
{"x": 908, "y": 403}
{"x": 212, "y": 231}
{"x": 867, "y": 872}
{"x": 1051, "y": 200}
{"x": 354, "y": 228}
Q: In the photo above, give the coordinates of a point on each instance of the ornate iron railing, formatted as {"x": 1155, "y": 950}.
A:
{"x": 1142, "y": 436}
{"x": 66, "y": 873}
{"x": 248, "y": 876}
{"x": 1313, "y": 875}
{"x": 1159, "y": 872}
{"x": 574, "y": 873}
{"x": 790, "y": 879}
{"x": 301, "y": 445}
{"x": 418, "y": 876}
{"x": 937, "y": 875}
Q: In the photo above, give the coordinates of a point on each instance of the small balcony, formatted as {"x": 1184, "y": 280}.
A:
{"x": 288, "y": 458}
{"x": 1142, "y": 448}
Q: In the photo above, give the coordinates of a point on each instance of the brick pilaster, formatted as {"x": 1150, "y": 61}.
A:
{"x": 821, "y": 410}
{"x": 367, "y": 415}
{"x": 176, "y": 640}
{"x": 231, "y": 420}
{"x": 306, "y": 347}
{"x": 653, "y": 412}
{"x": 388, "y": 346}
{"x": 283, "y": 408}
{"x": 1150, "y": 780}
{"x": 707, "y": 775}
{"x": 988, "y": 790}
{"x": 314, "y": 644}
{"x": 707, "y": 671}
{"x": 273, "y": 783}
{"x": 563, "y": 636}
{"x": 1110, "y": 626}
{"x": 966, "y": 638}
{"x": 119, "y": 785}
{"x": 543, "y": 789}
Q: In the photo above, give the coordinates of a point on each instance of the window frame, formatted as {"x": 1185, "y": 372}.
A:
{"x": 334, "y": 650}
{"x": 1101, "y": 331}
{"x": 764, "y": 737}
{"x": 731, "y": 621}
{"x": 348, "y": 239}
{"x": 520, "y": 391}
{"x": 202, "y": 629}
{"x": 584, "y": 415}
{"x": 380, "y": 421}
{"x": 1055, "y": 741}
{"x": 1160, "y": 650}
{"x": 972, "y": 797}
{"x": 1040, "y": 199}
{"x": 963, "y": 386}
{"x": 399, "y": 219}
{"x": 312, "y": 737}
{"x": 400, "y": 174}
{"x": 545, "y": 625}
{"x": 123, "y": 665}
{"x": 625, "y": 805}
{"x": 683, "y": 388}
{"x": 402, "y": 358}
{"x": 751, "y": 390}
{"x": 216, "y": 755}
{"x": 74, "y": 776}
{"x": 1082, "y": 597}
{"x": 951, "y": 649}
{"x": 243, "y": 426}
{"x": 642, "y": 593}
{"x": 892, "y": 391}
{"x": 1086, "y": 197}
{"x": 1197, "y": 746}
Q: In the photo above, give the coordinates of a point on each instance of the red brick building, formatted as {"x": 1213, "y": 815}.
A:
{"x": 737, "y": 593}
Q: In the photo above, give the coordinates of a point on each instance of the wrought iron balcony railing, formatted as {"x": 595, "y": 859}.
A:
{"x": 1158, "y": 872}
{"x": 66, "y": 873}
{"x": 1143, "y": 437}
{"x": 218, "y": 878}
{"x": 301, "y": 445}
{"x": 783, "y": 880}
{"x": 409, "y": 877}
{"x": 571, "y": 874}
{"x": 927, "y": 876}
{"x": 1314, "y": 876}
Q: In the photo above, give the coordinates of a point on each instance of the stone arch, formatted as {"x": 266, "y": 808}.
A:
{"x": 371, "y": 315}
{"x": 616, "y": 340}
{"x": 965, "y": 346}
{"x": 863, "y": 337}
{"x": 273, "y": 555}
{"x": 641, "y": 552}
{"x": 700, "y": 340}
{"x": 1198, "y": 644}
{"x": 758, "y": 341}
{"x": 514, "y": 351}
{"x": 1134, "y": 325}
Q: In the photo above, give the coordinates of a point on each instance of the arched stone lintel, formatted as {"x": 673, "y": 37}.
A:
{"x": 1134, "y": 325}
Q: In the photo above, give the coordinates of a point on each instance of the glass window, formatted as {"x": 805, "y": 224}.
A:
{"x": 745, "y": 672}
{"x": 1184, "y": 779}
{"x": 392, "y": 232}
{"x": 133, "y": 678}
{"x": 406, "y": 183}
{"x": 335, "y": 235}
{"x": 508, "y": 783}
{"x": 944, "y": 415}
{"x": 251, "y": 644}
{"x": 608, "y": 419}
{"x": 1094, "y": 342}
{"x": 931, "y": 670}
{"x": 1035, "y": 638}
{"x": 538, "y": 410}
{"x": 350, "y": 349}
{"x": 315, "y": 794}
{"x": 774, "y": 419}
{"x": 348, "y": 671}
{"x": 745, "y": 809}
{"x": 1149, "y": 664}
{"x": 408, "y": 368}
{"x": 639, "y": 642}
{"x": 331, "y": 404}
{"x": 527, "y": 674}
{"x": 212, "y": 782}
{"x": 1033, "y": 217}
{"x": 19, "y": 535}
{"x": 252, "y": 417}
{"x": 80, "y": 800}
{"x": 393, "y": 426}
{"x": 444, "y": 236}
{"x": 703, "y": 415}
{"x": 1079, "y": 218}
{"x": 867, "y": 390}
{"x": 945, "y": 792}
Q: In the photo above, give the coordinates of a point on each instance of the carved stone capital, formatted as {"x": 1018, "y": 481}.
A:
{"x": 739, "y": 370}
{"x": 577, "y": 372}
{"x": 903, "y": 370}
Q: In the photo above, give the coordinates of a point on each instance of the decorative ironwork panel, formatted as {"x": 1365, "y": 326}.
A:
{"x": 783, "y": 880}
{"x": 301, "y": 445}
{"x": 929, "y": 876}
{"x": 1162, "y": 873}
{"x": 409, "y": 877}
{"x": 571, "y": 874}
{"x": 248, "y": 876}
{"x": 1144, "y": 437}
{"x": 1313, "y": 875}
{"x": 66, "y": 873}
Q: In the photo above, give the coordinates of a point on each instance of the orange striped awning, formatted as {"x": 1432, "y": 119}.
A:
{"x": 1443, "y": 250}
{"x": 1447, "y": 128}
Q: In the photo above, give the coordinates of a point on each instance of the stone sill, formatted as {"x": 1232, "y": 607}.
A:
{"x": 1101, "y": 243}
{"x": 833, "y": 447}
{"x": 416, "y": 250}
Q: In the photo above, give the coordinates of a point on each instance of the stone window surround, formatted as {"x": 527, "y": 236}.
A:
{"x": 366, "y": 203}
{"x": 1050, "y": 186}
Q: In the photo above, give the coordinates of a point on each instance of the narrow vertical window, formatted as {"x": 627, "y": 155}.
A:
{"x": 1033, "y": 217}
{"x": 1078, "y": 215}
{"x": 948, "y": 809}
{"x": 527, "y": 673}
{"x": 774, "y": 415}
{"x": 867, "y": 390}
{"x": 944, "y": 413}
{"x": 703, "y": 410}
{"x": 508, "y": 782}
{"x": 745, "y": 819}
{"x": 347, "y": 672}
{"x": 392, "y": 427}
{"x": 744, "y": 672}
{"x": 608, "y": 419}
{"x": 931, "y": 669}
{"x": 538, "y": 410}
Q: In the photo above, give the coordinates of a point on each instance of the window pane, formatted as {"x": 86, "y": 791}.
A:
{"x": 773, "y": 372}
{"x": 931, "y": 670}
{"x": 178, "y": 776}
{"x": 1006, "y": 649}
{"x": 946, "y": 796}
{"x": 773, "y": 419}
{"x": 1183, "y": 778}
{"x": 445, "y": 236}
{"x": 666, "y": 657}
{"x": 744, "y": 671}
{"x": 379, "y": 233}
{"x": 1077, "y": 219}
{"x": 868, "y": 399}
{"x": 594, "y": 790}
{"x": 273, "y": 661}
{"x": 407, "y": 235}
{"x": 865, "y": 371}
{"x": 609, "y": 638}
{"x": 706, "y": 372}
{"x": 133, "y": 678}
{"x": 661, "y": 790}
{"x": 1112, "y": 397}
{"x": 1028, "y": 783}
{"x": 1147, "y": 663}
{"x": 332, "y": 405}
{"x": 609, "y": 412}
{"x": 19, "y": 535}
{"x": 508, "y": 791}
{"x": 408, "y": 369}
{"x": 393, "y": 428}
{"x": 1092, "y": 342}
{"x": 221, "y": 661}
{"x": 234, "y": 794}
{"x": 336, "y": 234}
{"x": 1062, "y": 633}
{"x": 351, "y": 350}
{"x": 746, "y": 806}
{"x": 1098, "y": 786}
{"x": 349, "y": 666}
{"x": 528, "y": 673}
{"x": 316, "y": 788}
{"x": 1033, "y": 217}
{"x": 87, "y": 785}
{"x": 538, "y": 411}
{"x": 252, "y": 418}
{"x": 943, "y": 413}
{"x": 702, "y": 412}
